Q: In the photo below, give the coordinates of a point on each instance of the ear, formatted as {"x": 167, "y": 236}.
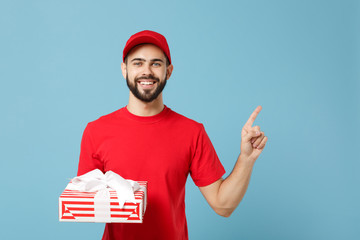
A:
{"x": 169, "y": 70}
{"x": 123, "y": 69}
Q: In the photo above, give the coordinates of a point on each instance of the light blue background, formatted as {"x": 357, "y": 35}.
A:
{"x": 60, "y": 68}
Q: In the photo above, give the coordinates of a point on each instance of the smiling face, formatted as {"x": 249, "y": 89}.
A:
{"x": 146, "y": 72}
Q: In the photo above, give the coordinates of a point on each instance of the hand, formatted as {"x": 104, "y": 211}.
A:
{"x": 252, "y": 139}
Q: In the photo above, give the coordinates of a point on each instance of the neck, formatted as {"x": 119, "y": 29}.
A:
{"x": 145, "y": 109}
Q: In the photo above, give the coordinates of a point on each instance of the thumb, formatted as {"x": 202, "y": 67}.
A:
{"x": 249, "y": 134}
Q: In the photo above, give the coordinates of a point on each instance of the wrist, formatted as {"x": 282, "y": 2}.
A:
{"x": 246, "y": 161}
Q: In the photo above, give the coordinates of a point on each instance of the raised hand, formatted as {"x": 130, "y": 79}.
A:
{"x": 253, "y": 140}
{"x": 224, "y": 195}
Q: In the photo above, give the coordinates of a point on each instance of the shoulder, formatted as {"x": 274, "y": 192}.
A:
{"x": 189, "y": 123}
{"x": 104, "y": 120}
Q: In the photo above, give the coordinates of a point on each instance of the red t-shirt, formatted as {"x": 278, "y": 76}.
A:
{"x": 161, "y": 149}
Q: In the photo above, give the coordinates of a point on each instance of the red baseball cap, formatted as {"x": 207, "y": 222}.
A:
{"x": 147, "y": 36}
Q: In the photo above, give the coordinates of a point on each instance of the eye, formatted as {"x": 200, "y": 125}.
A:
{"x": 156, "y": 64}
{"x": 137, "y": 63}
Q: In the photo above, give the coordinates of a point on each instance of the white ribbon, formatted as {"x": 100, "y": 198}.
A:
{"x": 96, "y": 181}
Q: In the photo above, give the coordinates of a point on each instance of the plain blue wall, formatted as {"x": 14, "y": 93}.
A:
{"x": 60, "y": 68}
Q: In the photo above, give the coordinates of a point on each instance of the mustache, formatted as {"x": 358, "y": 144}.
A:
{"x": 148, "y": 77}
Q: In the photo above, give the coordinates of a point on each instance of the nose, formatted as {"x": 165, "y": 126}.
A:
{"x": 147, "y": 70}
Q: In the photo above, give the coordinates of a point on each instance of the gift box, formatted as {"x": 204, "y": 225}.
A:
{"x": 88, "y": 206}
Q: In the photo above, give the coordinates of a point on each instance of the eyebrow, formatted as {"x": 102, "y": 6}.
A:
{"x": 143, "y": 60}
{"x": 157, "y": 60}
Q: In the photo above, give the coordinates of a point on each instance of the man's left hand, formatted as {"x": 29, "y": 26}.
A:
{"x": 253, "y": 140}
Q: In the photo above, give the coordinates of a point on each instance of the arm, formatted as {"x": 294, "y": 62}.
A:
{"x": 225, "y": 195}
{"x": 89, "y": 159}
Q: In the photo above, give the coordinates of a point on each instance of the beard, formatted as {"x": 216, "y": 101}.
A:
{"x": 148, "y": 95}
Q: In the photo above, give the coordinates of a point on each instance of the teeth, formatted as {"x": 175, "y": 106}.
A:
{"x": 146, "y": 83}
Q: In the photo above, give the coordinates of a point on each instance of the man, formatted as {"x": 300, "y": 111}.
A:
{"x": 148, "y": 141}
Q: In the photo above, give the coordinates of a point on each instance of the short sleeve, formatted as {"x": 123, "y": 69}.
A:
{"x": 205, "y": 167}
{"x": 89, "y": 159}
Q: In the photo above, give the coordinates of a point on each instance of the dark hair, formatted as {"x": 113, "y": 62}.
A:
{"x": 167, "y": 60}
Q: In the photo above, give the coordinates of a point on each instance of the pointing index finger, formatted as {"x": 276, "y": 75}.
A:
{"x": 252, "y": 117}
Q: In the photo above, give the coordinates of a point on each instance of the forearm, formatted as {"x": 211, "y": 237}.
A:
{"x": 225, "y": 195}
{"x": 233, "y": 188}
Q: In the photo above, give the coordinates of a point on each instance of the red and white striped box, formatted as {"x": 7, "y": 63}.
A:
{"x": 76, "y": 206}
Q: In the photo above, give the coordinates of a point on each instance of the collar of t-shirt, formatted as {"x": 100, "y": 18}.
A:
{"x": 148, "y": 119}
